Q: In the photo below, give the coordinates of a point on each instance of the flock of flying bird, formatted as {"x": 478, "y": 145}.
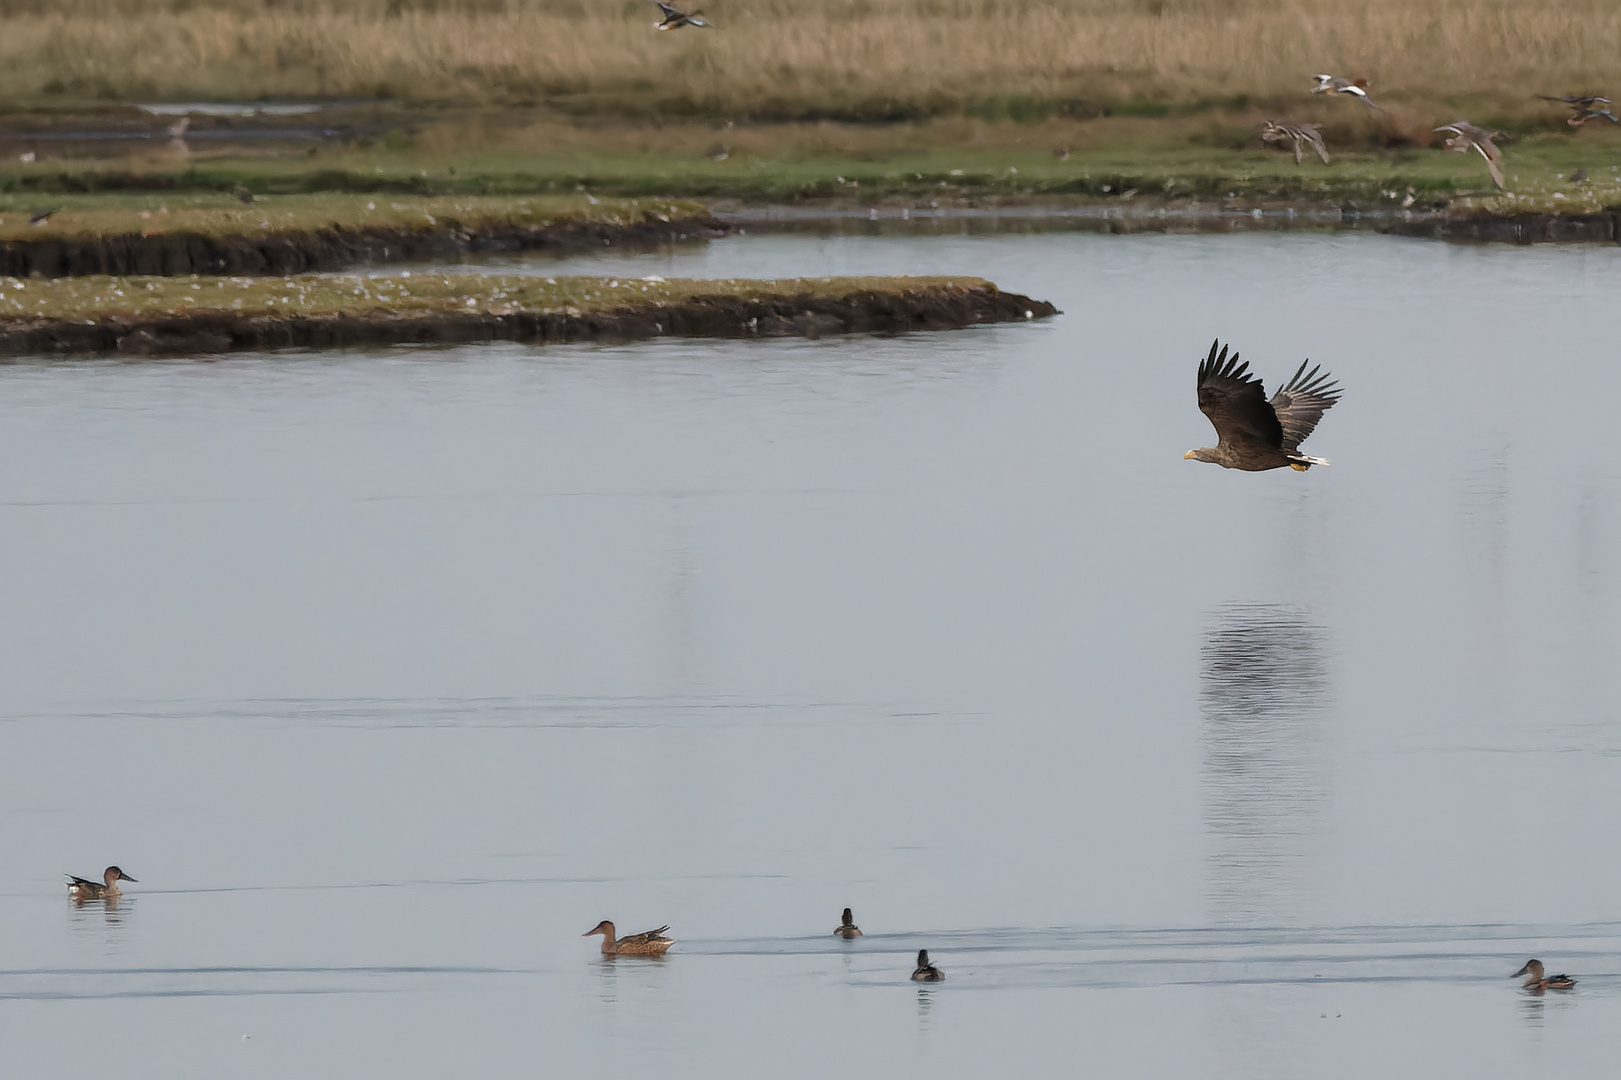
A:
{"x": 1462, "y": 136}
{"x": 654, "y": 943}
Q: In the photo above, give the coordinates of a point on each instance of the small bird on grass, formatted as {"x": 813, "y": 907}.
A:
{"x": 1301, "y": 135}
{"x": 1357, "y": 88}
{"x": 243, "y": 195}
{"x": 40, "y": 217}
{"x": 1584, "y": 108}
{"x": 1465, "y": 137}
{"x": 675, "y": 19}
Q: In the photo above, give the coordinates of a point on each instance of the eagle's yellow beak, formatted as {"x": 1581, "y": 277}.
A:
{"x": 1188, "y": 456}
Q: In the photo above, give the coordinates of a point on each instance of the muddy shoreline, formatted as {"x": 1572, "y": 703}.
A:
{"x": 327, "y": 249}
{"x": 338, "y": 247}
{"x": 1452, "y": 225}
{"x": 931, "y": 307}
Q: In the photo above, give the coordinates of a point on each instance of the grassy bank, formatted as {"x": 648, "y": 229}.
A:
{"x": 858, "y": 59}
{"x": 190, "y": 232}
{"x": 146, "y": 316}
{"x": 554, "y": 171}
{"x": 405, "y": 294}
{"x": 196, "y": 203}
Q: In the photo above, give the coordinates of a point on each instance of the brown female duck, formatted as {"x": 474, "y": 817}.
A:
{"x": 927, "y": 972}
{"x": 648, "y": 943}
{"x": 82, "y": 890}
{"x": 1537, "y": 982}
{"x": 848, "y": 930}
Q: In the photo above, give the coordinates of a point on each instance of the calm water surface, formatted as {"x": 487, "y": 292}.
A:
{"x": 389, "y": 674}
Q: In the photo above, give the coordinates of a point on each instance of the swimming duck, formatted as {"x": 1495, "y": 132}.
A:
{"x": 1467, "y": 137}
{"x": 81, "y": 890}
{"x": 848, "y": 930}
{"x": 1302, "y": 135}
{"x": 1584, "y": 108}
{"x": 1537, "y": 982}
{"x": 648, "y": 943}
{"x": 927, "y": 972}
{"x": 1357, "y": 88}
{"x": 675, "y": 19}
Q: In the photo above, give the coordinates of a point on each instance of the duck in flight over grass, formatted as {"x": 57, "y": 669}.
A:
{"x": 1255, "y": 434}
{"x": 1301, "y": 135}
{"x": 1357, "y": 88}
{"x": 1466, "y": 137}
{"x": 1584, "y": 108}
{"x": 675, "y": 19}
{"x": 647, "y": 943}
{"x": 1536, "y": 982}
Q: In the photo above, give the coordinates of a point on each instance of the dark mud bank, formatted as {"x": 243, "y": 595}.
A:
{"x": 1600, "y": 228}
{"x": 704, "y": 317}
{"x": 1149, "y": 216}
{"x": 328, "y": 249}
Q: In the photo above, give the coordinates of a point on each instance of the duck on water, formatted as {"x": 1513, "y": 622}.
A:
{"x": 647, "y": 943}
{"x": 927, "y": 972}
{"x": 848, "y": 930}
{"x": 1537, "y": 982}
{"x": 81, "y": 889}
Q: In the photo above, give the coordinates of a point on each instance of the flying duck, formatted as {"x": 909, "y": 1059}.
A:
{"x": 1466, "y": 137}
{"x": 675, "y": 19}
{"x": 1301, "y": 135}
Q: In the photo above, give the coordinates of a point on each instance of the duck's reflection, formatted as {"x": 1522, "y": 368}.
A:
{"x": 1264, "y": 695}
{"x": 925, "y": 1002}
{"x": 607, "y": 980}
{"x": 1531, "y": 1012}
{"x": 102, "y": 919}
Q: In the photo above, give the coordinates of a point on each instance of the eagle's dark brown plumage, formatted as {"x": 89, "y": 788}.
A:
{"x": 1253, "y": 433}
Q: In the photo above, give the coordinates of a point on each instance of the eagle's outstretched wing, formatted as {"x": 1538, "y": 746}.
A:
{"x": 1302, "y": 402}
{"x": 1235, "y": 401}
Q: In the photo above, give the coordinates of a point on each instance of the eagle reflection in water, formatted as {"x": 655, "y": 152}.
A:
{"x": 1264, "y": 696}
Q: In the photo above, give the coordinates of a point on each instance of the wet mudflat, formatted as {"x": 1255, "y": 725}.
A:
{"x": 390, "y": 674}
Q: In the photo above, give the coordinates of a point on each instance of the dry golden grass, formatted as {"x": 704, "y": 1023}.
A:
{"x": 789, "y": 58}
